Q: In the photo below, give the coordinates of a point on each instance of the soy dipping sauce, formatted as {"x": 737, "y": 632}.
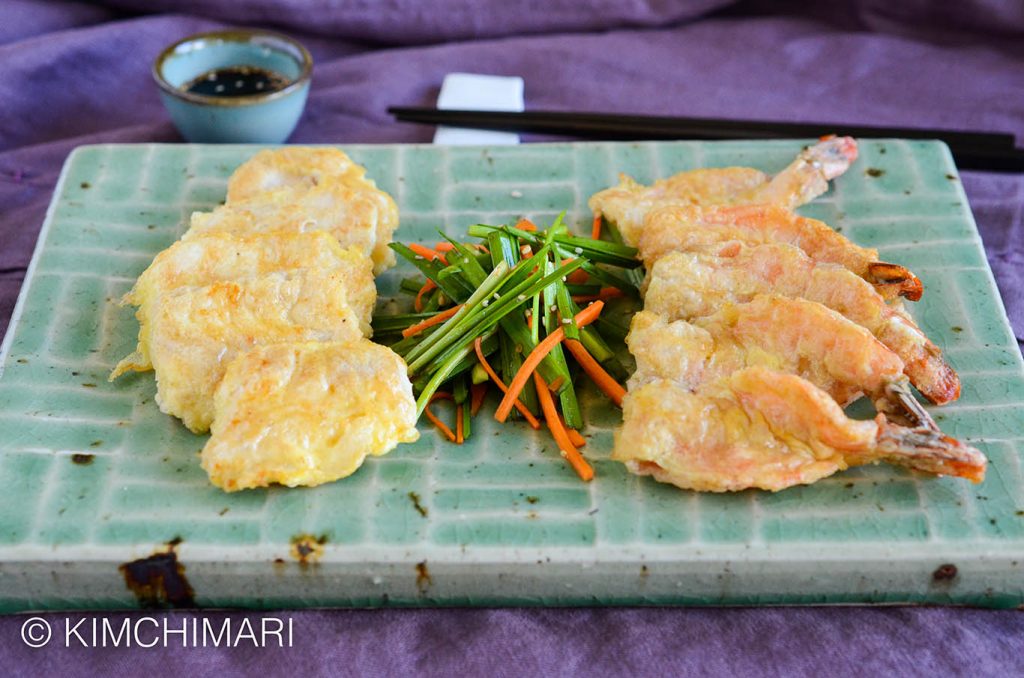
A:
{"x": 236, "y": 81}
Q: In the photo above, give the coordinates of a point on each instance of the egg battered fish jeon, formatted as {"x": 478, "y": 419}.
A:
{"x": 194, "y": 332}
{"x": 304, "y": 197}
{"x": 807, "y": 177}
{"x": 215, "y": 257}
{"x": 294, "y": 167}
{"x": 307, "y": 413}
{"x": 758, "y": 428}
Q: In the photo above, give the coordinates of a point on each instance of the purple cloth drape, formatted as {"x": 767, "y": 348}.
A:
{"x": 74, "y": 73}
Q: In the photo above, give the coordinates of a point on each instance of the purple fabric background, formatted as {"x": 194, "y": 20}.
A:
{"x": 75, "y": 73}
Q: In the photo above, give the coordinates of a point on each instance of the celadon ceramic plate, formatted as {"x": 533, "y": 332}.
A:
{"x": 104, "y": 504}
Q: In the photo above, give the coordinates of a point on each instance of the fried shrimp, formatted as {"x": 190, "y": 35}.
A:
{"x": 759, "y": 428}
{"x": 686, "y": 285}
{"x": 684, "y": 229}
{"x": 807, "y": 177}
{"x": 795, "y": 336}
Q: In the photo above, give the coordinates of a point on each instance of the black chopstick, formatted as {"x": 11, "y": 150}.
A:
{"x": 971, "y": 150}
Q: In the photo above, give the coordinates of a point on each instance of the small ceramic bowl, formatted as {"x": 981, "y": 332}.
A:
{"x": 261, "y": 117}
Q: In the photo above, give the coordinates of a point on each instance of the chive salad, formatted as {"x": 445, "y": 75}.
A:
{"x": 518, "y": 309}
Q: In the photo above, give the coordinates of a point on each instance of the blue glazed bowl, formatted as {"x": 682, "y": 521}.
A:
{"x": 264, "y": 117}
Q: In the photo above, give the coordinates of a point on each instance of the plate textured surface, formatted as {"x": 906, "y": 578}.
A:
{"x": 93, "y": 475}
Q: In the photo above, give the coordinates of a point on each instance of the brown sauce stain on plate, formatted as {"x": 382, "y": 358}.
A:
{"x": 307, "y": 549}
{"x": 159, "y": 580}
{"x": 423, "y": 580}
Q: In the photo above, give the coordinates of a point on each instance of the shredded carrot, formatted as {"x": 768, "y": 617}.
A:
{"x": 558, "y": 431}
{"x": 574, "y": 436}
{"x": 529, "y": 318}
{"x": 604, "y": 294}
{"x": 584, "y": 317}
{"x": 577, "y": 276}
{"x": 595, "y": 229}
{"x": 525, "y": 225}
{"x": 523, "y": 410}
{"x": 431, "y": 321}
{"x": 424, "y": 252}
{"x": 556, "y": 383}
{"x": 441, "y": 426}
{"x": 459, "y": 439}
{"x": 427, "y": 287}
{"x": 604, "y": 381}
{"x": 444, "y": 247}
{"x": 477, "y": 393}
{"x": 525, "y": 251}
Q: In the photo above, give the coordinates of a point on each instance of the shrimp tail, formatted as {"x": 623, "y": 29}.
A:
{"x": 900, "y": 405}
{"x": 832, "y": 154}
{"x": 934, "y": 378}
{"x": 893, "y": 280}
{"x": 929, "y": 450}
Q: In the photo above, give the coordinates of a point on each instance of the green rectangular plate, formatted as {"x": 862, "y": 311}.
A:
{"x": 502, "y": 519}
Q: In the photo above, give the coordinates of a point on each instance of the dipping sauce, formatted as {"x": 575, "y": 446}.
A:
{"x": 236, "y": 81}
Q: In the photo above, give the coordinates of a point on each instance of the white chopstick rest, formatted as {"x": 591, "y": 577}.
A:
{"x": 472, "y": 92}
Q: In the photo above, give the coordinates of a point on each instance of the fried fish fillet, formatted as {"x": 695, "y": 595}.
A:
{"x": 307, "y": 413}
{"x": 194, "y": 332}
{"x": 215, "y": 257}
{"x": 627, "y": 205}
{"x": 298, "y": 190}
{"x": 759, "y": 428}
{"x": 294, "y": 167}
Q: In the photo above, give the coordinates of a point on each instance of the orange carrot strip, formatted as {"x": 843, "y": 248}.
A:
{"x": 525, "y": 251}
{"x": 523, "y": 410}
{"x": 604, "y": 381}
{"x": 595, "y": 229}
{"x": 444, "y": 247}
{"x": 458, "y": 425}
{"x": 556, "y": 383}
{"x": 525, "y": 225}
{"x": 574, "y": 436}
{"x": 427, "y": 287}
{"x": 561, "y": 436}
{"x": 441, "y": 426}
{"x": 584, "y": 317}
{"x": 577, "y": 276}
{"x": 431, "y": 321}
{"x": 477, "y": 393}
{"x": 424, "y": 252}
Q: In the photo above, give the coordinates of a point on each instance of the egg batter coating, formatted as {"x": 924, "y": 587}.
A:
{"x": 307, "y": 413}
{"x": 216, "y": 257}
{"x": 686, "y": 229}
{"x": 795, "y": 336}
{"x": 295, "y": 167}
{"x": 304, "y": 195}
{"x": 759, "y": 428}
{"x": 196, "y": 331}
{"x": 627, "y": 205}
{"x": 687, "y": 285}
